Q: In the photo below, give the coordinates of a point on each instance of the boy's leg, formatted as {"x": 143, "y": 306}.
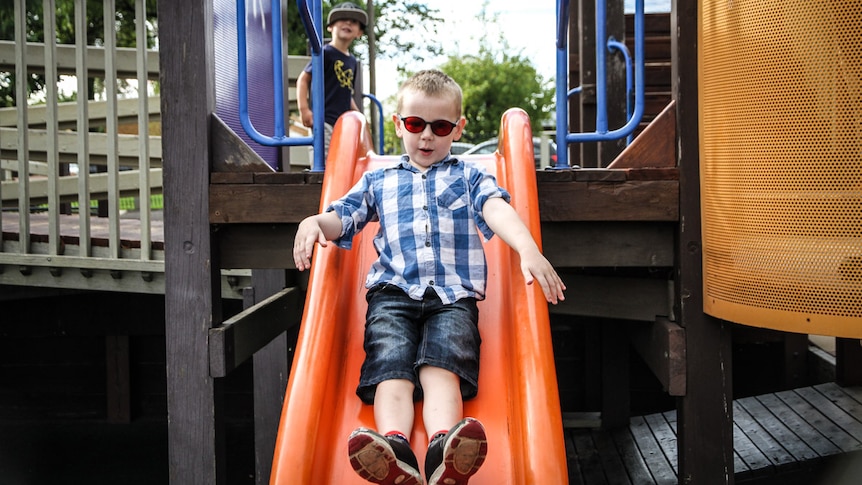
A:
{"x": 458, "y": 446}
{"x": 442, "y": 405}
{"x": 393, "y": 406}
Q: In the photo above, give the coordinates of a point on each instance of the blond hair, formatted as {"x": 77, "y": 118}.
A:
{"x": 434, "y": 83}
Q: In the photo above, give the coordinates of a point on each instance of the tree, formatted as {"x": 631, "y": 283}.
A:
{"x": 492, "y": 86}
{"x": 65, "y": 18}
{"x": 401, "y": 29}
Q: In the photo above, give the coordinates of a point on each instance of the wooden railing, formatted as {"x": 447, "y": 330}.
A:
{"x": 66, "y": 167}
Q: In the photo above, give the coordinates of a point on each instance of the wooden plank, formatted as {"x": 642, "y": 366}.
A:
{"x": 639, "y": 299}
{"x": 650, "y": 200}
{"x": 641, "y": 200}
{"x": 774, "y": 451}
{"x": 574, "y": 468}
{"x": 271, "y": 368}
{"x": 836, "y": 414}
{"x": 196, "y": 447}
{"x": 778, "y": 430}
{"x": 631, "y": 457}
{"x": 609, "y": 244}
{"x": 655, "y": 459}
{"x": 664, "y": 435}
{"x": 819, "y": 421}
{"x": 800, "y": 427}
{"x": 705, "y": 428}
{"x": 747, "y": 454}
{"x": 239, "y": 337}
{"x": 655, "y": 146}
{"x": 611, "y": 461}
{"x": 588, "y": 458}
{"x": 662, "y": 346}
{"x": 231, "y": 153}
{"x": 257, "y": 204}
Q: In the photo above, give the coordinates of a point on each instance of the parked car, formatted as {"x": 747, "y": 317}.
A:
{"x": 490, "y": 146}
{"x": 460, "y": 147}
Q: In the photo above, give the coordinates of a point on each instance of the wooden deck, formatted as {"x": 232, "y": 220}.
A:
{"x": 796, "y": 436}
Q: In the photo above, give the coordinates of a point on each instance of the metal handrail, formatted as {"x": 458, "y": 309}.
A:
{"x": 379, "y": 105}
{"x": 602, "y": 133}
{"x": 312, "y": 21}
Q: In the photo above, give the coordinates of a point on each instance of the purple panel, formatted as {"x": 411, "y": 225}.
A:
{"x": 259, "y": 54}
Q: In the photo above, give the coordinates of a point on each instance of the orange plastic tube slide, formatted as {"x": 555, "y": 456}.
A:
{"x": 518, "y": 399}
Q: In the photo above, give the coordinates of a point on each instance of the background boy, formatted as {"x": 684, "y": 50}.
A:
{"x": 346, "y": 22}
{"x": 421, "y": 333}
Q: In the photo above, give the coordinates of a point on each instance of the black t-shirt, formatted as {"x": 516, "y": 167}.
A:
{"x": 339, "y": 81}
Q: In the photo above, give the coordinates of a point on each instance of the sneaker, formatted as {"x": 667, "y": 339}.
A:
{"x": 379, "y": 459}
{"x": 454, "y": 457}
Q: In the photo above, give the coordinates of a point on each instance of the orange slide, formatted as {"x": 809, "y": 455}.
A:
{"x": 518, "y": 400}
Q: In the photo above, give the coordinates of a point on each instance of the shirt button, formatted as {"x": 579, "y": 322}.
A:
{"x": 431, "y": 282}
{"x": 424, "y": 176}
{"x": 427, "y": 244}
{"x": 425, "y": 207}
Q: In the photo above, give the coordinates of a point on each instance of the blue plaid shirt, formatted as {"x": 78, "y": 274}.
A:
{"x": 431, "y": 226}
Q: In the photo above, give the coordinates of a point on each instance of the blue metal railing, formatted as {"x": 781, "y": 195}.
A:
{"x": 379, "y": 122}
{"x": 562, "y": 73}
{"x": 312, "y": 20}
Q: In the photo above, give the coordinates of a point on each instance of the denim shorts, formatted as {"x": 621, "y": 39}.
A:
{"x": 403, "y": 334}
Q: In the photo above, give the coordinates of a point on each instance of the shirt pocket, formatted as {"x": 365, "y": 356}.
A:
{"x": 454, "y": 196}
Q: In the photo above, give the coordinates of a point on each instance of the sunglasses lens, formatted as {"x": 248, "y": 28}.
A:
{"x": 441, "y": 127}
{"x": 415, "y": 124}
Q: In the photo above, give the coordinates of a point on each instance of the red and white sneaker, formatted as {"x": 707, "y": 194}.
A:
{"x": 456, "y": 456}
{"x": 379, "y": 459}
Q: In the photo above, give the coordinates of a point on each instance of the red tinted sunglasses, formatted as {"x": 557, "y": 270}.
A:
{"x": 415, "y": 124}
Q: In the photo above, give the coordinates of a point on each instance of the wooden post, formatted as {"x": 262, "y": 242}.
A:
{"x": 705, "y": 413}
{"x": 192, "y": 295}
{"x": 270, "y": 379}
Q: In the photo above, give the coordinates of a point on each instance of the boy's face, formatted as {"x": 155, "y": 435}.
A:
{"x": 346, "y": 29}
{"x": 427, "y": 148}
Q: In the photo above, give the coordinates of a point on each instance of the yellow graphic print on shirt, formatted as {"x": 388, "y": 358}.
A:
{"x": 344, "y": 76}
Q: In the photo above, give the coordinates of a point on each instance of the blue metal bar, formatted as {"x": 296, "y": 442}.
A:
{"x": 380, "y": 121}
{"x": 601, "y": 133}
{"x": 312, "y": 19}
{"x": 562, "y": 83}
{"x": 615, "y": 44}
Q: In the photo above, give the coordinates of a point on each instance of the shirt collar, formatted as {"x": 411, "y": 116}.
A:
{"x": 405, "y": 162}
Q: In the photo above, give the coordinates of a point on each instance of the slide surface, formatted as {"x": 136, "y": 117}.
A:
{"x": 518, "y": 398}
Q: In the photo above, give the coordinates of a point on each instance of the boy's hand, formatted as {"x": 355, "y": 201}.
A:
{"x": 308, "y": 233}
{"x": 536, "y": 267}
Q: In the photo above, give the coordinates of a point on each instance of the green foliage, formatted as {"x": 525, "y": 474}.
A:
{"x": 400, "y": 28}
{"x": 492, "y": 86}
{"x": 65, "y": 32}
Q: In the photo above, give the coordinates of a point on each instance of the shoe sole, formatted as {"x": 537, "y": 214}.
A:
{"x": 463, "y": 453}
{"x": 373, "y": 459}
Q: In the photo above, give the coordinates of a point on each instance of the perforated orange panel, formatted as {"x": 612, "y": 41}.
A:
{"x": 781, "y": 163}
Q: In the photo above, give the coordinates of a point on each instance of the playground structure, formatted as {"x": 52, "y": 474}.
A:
{"x": 220, "y": 234}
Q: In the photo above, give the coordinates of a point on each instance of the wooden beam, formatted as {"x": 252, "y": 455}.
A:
{"x": 624, "y": 298}
{"x": 231, "y": 153}
{"x": 34, "y": 55}
{"x": 705, "y": 413}
{"x": 655, "y": 146}
{"x": 239, "y": 337}
{"x": 128, "y": 147}
{"x": 630, "y": 200}
{"x": 67, "y": 187}
{"x": 661, "y": 344}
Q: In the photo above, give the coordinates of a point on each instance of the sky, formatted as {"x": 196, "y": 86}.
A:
{"x": 529, "y": 27}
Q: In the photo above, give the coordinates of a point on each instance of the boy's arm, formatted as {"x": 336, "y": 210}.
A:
{"x": 318, "y": 228}
{"x": 504, "y": 221}
{"x": 303, "y": 84}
